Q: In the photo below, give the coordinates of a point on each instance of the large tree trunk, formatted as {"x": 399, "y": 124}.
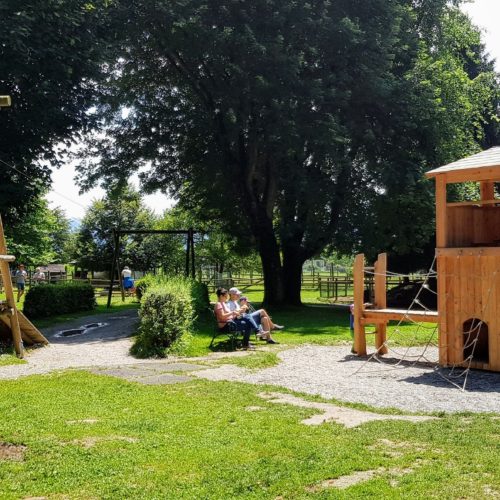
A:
{"x": 292, "y": 276}
{"x": 271, "y": 266}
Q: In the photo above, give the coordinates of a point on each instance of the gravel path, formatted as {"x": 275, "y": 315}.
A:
{"x": 317, "y": 370}
{"x": 330, "y": 372}
{"x": 108, "y": 345}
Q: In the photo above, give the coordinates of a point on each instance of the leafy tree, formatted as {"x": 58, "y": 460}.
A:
{"x": 50, "y": 58}
{"x": 457, "y": 113}
{"x": 296, "y": 124}
{"x": 119, "y": 209}
{"x": 213, "y": 246}
{"x": 41, "y": 237}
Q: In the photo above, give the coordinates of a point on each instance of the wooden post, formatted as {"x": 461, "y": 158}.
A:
{"x": 191, "y": 236}
{"x": 487, "y": 190}
{"x": 441, "y": 242}
{"x": 359, "y": 282}
{"x": 441, "y": 238}
{"x": 188, "y": 249}
{"x": 113, "y": 264}
{"x": 119, "y": 267}
{"x": 381, "y": 301}
{"x": 9, "y": 294}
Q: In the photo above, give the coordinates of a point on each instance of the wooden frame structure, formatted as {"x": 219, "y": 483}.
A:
{"x": 468, "y": 261}
{"x": 379, "y": 315}
{"x": 115, "y": 264}
{"x": 468, "y": 271}
{"x": 22, "y": 329}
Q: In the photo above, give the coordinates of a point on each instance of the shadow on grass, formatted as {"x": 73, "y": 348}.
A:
{"x": 323, "y": 325}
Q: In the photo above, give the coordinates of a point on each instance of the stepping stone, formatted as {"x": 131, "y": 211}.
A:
{"x": 147, "y": 377}
{"x": 163, "y": 379}
{"x": 169, "y": 367}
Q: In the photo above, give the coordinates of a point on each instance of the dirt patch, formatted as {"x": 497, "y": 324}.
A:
{"x": 349, "y": 417}
{"x": 254, "y": 408}
{"x": 357, "y": 477}
{"x": 490, "y": 492}
{"x": 396, "y": 449}
{"x": 344, "y": 482}
{"x": 91, "y": 441}
{"x": 9, "y": 451}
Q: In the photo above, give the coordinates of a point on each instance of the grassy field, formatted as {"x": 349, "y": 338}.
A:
{"x": 82, "y": 436}
{"x": 76, "y": 435}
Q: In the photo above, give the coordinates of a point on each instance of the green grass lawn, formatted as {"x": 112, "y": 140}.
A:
{"x": 311, "y": 324}
{"x": 8, "y": 357}
{"x": 88, "y": 436}
{"x": 84, "y": 436}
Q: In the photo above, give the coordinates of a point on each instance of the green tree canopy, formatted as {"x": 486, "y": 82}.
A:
{"x": 41, "y": 237}
{"x": 50, "y": 60}
{"x": 296, "y": 124}
{"x": 119, "y": 209}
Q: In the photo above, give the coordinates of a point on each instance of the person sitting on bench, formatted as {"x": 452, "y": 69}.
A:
{"x": 260, "y": 319}
{"x": 228, "y": 320}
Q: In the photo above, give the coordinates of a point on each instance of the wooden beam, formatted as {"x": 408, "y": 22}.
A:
{"x": 476, "y": 203}
{"x": 487, "y": 190}
{"x": 474, "y": 175}
{"x": 440, "y": 212}
{"x": 359, "y": 285}
{"x": 9, "y": 294}
{"x": 381, "y": 301}
{"x": 468, "y": 251}
{"x": 379, "y": 315}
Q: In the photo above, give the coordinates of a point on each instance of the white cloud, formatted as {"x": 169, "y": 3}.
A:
{"x": 485, "y": 14}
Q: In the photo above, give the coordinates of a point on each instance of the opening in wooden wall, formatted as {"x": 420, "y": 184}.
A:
{"x": 475, "y": 337}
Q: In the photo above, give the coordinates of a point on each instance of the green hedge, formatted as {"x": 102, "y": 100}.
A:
{"x": 65, "y": 297}
{"x": 169, "y": 307}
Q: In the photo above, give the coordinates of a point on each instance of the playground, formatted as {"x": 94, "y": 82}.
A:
{"x": 312, "y": 423}
{"x": 328, "y": 371}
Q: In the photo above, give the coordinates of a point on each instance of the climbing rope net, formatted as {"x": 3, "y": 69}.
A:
{"x": 414, "y": 343}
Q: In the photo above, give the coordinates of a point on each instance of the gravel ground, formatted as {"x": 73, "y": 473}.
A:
{"x": 331, "y": 372}
{"x": 105, "y": 346}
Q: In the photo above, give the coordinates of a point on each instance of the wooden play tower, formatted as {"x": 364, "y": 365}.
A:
{"x": 468, "y": 271}
{"x": 468, "y": 260}
{"x": 11, "y": 319}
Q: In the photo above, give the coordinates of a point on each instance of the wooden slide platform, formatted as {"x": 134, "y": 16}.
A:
{"x": 371, "y": 316}
{"x": 29, "y": 332}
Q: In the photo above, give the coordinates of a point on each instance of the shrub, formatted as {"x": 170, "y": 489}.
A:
{"x": 198, "y": 291}
{"x": 199, "y": 295}
{"x": 169, "y": 307}
{"x": 141, "y": 285}
{"x": 65, "y": 297}
{"x": 166, "y": 316}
